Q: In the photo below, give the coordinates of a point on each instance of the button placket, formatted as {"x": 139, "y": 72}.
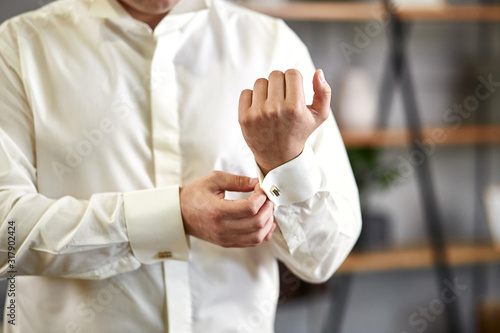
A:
{"x": 167, "y": 162}
{"x": 165, "y": 113}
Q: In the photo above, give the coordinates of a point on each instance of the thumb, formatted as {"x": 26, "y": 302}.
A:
{"x": 229, "y": 182}
{"x": 322, "y": 95}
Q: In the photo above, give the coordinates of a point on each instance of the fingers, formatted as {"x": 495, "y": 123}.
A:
{"x": 294, "y": 87}
{"x": 242, "y": 208}
{"x": 254, "y": 223}
{"x": 276, "y": 86}
{"x": 228, "y": 182}
{"x": 280, "y": 86}
{"x": 260, "y": 88}
{"x": 322, "y": 95}
{"x": 257, "y": 237}
{"x": 236, "y": 209}
{"x": 270, "y": 234}
{"x": 261, "y": 227}
{"x": 245, "y": 101}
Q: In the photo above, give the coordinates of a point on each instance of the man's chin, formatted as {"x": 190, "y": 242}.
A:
{"x": 151, "y": 7}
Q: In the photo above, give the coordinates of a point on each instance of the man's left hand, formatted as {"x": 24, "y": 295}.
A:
{"x": 275, "y": 119}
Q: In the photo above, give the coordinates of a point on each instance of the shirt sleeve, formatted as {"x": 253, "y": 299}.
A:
{"x": 151, "y": 238}
{"x": 315, "y": 195}
{"x": 108, "y": 234}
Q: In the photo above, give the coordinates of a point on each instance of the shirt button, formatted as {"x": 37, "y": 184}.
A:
{"x": 164, "y": 255}
{"x": 275, "y": 191}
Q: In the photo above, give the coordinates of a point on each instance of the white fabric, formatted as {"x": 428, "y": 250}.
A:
{"x": 102, "y": 119}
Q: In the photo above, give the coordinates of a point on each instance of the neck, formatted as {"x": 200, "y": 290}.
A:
{"x": 150, "y": 19}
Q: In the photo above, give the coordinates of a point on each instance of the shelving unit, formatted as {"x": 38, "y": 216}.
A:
{"x": 464, "y": 135}
{"x": 417, "y": 258}
{"x": 346, "y": 11}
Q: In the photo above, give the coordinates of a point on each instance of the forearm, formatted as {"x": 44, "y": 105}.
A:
{"x": 320, "y": 219}
{"x": 65, "y": 237}
{"x": 89, "y": 239}
{"x": 316, "y": 236}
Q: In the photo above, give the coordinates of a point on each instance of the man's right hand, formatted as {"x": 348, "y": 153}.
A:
{"x": 228, "y": 223}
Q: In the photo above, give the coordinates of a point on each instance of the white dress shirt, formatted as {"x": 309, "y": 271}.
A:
{"x": 101, "y": 120}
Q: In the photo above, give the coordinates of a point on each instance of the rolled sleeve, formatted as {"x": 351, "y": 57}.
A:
{"x": 294, "y": 181}
{"x": 154, "y": 224}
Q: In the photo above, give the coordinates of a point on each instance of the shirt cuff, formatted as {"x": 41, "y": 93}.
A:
{"x": 294, "y": 181}
{"x": 154, "y": 224}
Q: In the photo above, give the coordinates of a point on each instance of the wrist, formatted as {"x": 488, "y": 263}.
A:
{"x": 267, "y": 164}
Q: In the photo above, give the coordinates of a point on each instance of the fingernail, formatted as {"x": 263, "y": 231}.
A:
{"x": 253, "y": 181}
{"x": 321, "y": 76}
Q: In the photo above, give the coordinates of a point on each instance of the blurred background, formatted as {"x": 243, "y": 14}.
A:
{"x": 416, "y": 93}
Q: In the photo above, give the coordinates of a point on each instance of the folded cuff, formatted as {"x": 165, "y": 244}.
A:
{"x": 294, "y": 181}
{"x": 154, "y": 224}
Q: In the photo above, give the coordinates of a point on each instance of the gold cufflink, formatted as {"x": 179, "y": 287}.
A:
{"x": 164, "y": 255}
{"x": 276, "y": 191}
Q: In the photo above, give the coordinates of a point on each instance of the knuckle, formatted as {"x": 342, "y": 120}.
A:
{"x": 270, "y": 206}
{"x": 261, "y": 81}
{"x": 253, "y": 208}
{"x": 245, "y": 94}
{"x": 276, "y": 74}
{"x": 292, "y": 72}
{"x": 258, "y": 223}
{"x": 242, "y": 120}
{"x": 215, "y": 174}
{"x": 271, "y": 108}
{"x": 257, "y": 238}
{"x": 261, "y": 221}
{"x": 292, "y": 107}
{"x": 245, "y": 121}
{"x": 263, "y": 217}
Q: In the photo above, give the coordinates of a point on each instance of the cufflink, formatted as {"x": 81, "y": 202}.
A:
{"x": 164, "y": 255}
{"x": 276, "y": 191}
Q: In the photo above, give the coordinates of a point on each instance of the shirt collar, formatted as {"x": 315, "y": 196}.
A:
{"x": 112, "y": 9}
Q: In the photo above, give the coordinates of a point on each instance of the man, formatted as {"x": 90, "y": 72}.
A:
{"x": 144, "y": 195}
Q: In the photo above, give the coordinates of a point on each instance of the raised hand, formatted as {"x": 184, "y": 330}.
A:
{"x": 275, "y": 119}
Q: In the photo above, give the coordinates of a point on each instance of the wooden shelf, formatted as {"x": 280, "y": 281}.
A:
{"x": 416, "y": 258}
{"x": 486, "y": 134}
{"x": 451, "y": 13}
{"x": 346, "y": 11}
